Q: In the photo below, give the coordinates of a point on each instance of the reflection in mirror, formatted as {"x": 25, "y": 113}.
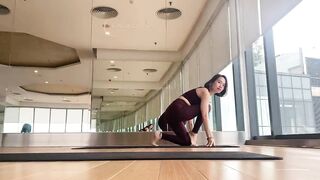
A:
{"x": 136, "y": 57}
{"x": 45, "y": 75}
{"x": 127, "y": 55}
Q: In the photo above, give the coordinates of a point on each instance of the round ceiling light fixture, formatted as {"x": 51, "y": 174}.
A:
{"x": 169, "y": 13}
{"x": 114, "y": 69}
{"x": 4, "y": 10}
{"x": 149, "y": 70}
{"x": 104, "y": 12}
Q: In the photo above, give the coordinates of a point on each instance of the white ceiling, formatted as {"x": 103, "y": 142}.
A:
{"x": 130, "y": 70}
{"x": 130, "y": 44}
{"x": 137, "y": 26}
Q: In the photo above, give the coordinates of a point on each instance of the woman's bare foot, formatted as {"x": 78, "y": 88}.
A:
{"x": 193, "y": 138}
{"x": 156, "y": 138}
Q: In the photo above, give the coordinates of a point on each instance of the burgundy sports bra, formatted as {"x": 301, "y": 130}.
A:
{"x": 192, "y": 97}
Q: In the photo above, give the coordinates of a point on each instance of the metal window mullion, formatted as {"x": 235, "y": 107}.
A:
{"x": 34, "y": 112}
{"x": 252, "y": 98}
{"x": 238, "y": 95}
{"x": 49, "y": 119}
{"x": 66, "y": 121}
{"x": 81, "y": 120}
{"x": 217, "y": 107}
{"x": 272, "y": 82}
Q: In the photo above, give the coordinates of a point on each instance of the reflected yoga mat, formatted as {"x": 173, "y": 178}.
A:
{"x": 89, "y": 156}
{"x": 150, "y": 146}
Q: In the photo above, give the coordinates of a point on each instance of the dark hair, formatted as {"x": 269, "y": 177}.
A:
{"x": 212, "y": 80}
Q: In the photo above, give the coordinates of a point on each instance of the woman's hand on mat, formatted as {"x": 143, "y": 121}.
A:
{"x": 210, "y": 141}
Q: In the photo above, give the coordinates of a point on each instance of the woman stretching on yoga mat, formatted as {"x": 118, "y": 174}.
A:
{"x": 189, "y": 105}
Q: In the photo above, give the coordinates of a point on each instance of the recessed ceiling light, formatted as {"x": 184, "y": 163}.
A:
{"x": 169, "y": 13}
{"x": 116, "y": 77}
{"x": 35, "y": 71}
{"x": 111, "y": 62}
{"x": 107, "y": 104}
{"x": 46, "y": 82}
{"x": 114, "y": 69}
{"x": 149, "y": 70}
{"x": 4, "y": 10}
{"x": 66, "y": 100}
{"x": 104, "y": 12}
{"x": 112, "y": 92}
{"x": 107, "y": 33}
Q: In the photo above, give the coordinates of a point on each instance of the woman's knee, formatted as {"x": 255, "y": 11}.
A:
{"x": 162, "y": 124}
{"x": 187, "y": 142}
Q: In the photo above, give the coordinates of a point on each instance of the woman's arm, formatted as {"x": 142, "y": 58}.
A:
{"x": 190, "y": 124}
{"x": 204, "y": 107}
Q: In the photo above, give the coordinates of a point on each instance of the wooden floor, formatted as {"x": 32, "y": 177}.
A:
{"x": 297, "y": 163}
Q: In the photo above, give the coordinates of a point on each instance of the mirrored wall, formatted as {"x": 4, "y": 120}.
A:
{"x": 45, "y": 68}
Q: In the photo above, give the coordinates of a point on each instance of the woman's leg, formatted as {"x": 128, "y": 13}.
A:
{"x": 181, "y": 136}
{"x": 162, "y": 122}
{"x": 174, "y": 116}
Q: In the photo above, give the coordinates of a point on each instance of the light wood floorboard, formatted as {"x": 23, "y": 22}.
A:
{"x": 297, "y": 163}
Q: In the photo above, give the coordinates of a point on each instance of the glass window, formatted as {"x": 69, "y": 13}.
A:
{"x": 263, "y": 93}
{"x": 58, "y": 120}
{"x": 297, "y": 45}
{"x": 263, "y": 80}
{"x": 296, "y": 82}
{"x": 86, "y": 121}
{"x": 228, "y": 112}
{"x": 26, "y": 117}
{"x": 280, "y": 93}
{"x": 297, "y": 94}
{"x": 286, "y": 81}
{"x": 261, "y": 88}
{"x": 306, "y": 83}
{"x": 306, "y": 94}
{"x": 279, "y": 81}
{"x": 41, "y": 120}
{"x": 11, "y": 120}
{"x": 265, "y": 113}
{"x": 74, "y": 118}
{"x": 93, "y": 125}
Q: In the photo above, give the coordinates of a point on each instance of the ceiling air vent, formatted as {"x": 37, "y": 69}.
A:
{"x": 169, "y": 13}
{"x": 104, "y": 12}
{"x": 4, "y": 10}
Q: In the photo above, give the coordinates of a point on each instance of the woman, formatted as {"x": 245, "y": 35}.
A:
{"x": 189, "y": 105}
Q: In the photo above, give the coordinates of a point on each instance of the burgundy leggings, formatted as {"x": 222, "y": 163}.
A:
{"x": 175, "y": 117}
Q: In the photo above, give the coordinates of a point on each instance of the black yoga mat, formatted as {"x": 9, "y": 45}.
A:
{"x": 150, "y": 146}
{"x": 89, "y": 156}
